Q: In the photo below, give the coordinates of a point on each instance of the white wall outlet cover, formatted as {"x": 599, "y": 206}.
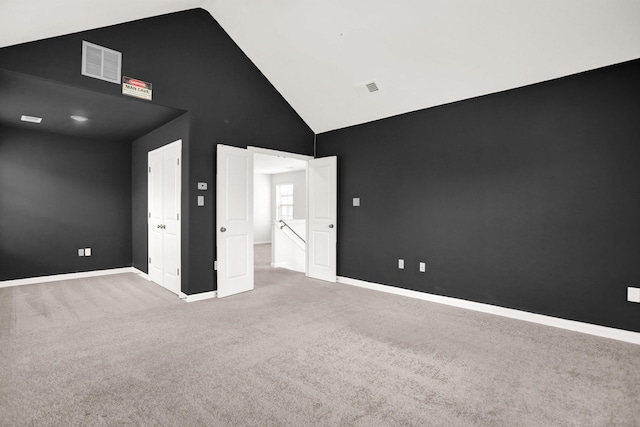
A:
{"x": 80, "y": 252}
{"x": 401, "y": 264}
{"x": 202, "y": 186}
{"x": 87, "y": 251}
{"x": 423, "y": 267}
{"x": 200, "y": 200}
{"x": 356, "y": 201}
{"x": 633, "y": 294}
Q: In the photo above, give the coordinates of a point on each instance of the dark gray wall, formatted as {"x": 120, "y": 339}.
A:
{"x": 59, "y": 194}
{"x": 528, "y": 199}
{"x": 193, "y": 66}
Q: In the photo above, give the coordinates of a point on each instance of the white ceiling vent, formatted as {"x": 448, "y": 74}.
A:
{"x": 101, "y": 63}
{"x": 367, "y": 88}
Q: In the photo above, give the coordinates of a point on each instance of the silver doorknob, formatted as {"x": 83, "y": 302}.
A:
{"x": 222, "y": 229}
{"x": 330, "y": 225}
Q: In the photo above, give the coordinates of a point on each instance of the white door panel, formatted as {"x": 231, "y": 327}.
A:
{"x": 164, "y": 216}
{"x": 322, "y": 222}
{"x": 234, "y": 220}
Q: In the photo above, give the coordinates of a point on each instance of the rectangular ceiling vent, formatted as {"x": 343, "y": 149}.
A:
{"x": 101, "y": 63}
{"x": 364, "y": 89}
{"x": 372, "y": 87}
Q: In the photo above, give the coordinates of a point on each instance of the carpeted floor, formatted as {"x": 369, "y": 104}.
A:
{"x": 118, "y": 350}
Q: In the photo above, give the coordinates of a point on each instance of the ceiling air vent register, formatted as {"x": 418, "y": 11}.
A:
{"x": 101, "y": 63}
{"x": 365, "y": 89}
{"x": 372, "y": 87}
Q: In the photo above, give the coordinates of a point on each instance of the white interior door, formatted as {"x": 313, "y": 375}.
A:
{"x": 164, "y": 215}
{"x": 234, "y": 220}
{"x": 322, "y": 214}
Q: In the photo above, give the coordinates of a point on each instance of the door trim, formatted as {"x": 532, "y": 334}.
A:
{"x": 277, "y": 153}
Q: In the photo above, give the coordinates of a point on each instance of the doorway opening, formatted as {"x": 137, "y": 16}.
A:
{"x": 235, "y": 217}
{"x": 279, "y": 211}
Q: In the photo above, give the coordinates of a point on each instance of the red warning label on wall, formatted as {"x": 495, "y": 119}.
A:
{"x": 137, "y": 88}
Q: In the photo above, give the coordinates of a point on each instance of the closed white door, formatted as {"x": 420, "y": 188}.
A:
{"x": 322, "y": 215}
{"x": 164, "y": 215}
{"x": 234, "y": 220}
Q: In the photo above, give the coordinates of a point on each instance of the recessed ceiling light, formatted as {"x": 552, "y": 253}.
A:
{"x": 31, "y": 119}
{"x": 79, "y": 118}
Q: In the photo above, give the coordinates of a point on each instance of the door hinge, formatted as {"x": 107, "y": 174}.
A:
{"x": 215, "y": 265}
{"x": 149, "y": 169}
{"x": 178, "y": 272}
{"x": 178, "y": 161}
{"x": 178, "y": 217}
{"x": 149, "y": 260}
{"x": 149, "y": 214}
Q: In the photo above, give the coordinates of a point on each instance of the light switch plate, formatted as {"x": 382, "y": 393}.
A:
{"x": 87, "y": 251}
{"x": 633, "y": 294}
{"x": 401, "y": 264}
{"x": 423, "y": 267}
{"x": 356, "y": 201}
{"x": 200, "y": 200}
{"x": 80, "y": 252}
{"x": 202, "y": 186}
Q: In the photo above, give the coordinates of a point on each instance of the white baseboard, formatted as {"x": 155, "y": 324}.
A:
{"x": 286, "y": 266}
{"x": 198, "y": 297}
{"x": 141, "y": 273}
{"x": 66, "y": 276}
{"x": 280, "y": 265}
{"x": 571, "y": 325}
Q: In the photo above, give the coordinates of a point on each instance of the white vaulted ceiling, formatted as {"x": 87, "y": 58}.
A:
{"x": 420, "y": 53}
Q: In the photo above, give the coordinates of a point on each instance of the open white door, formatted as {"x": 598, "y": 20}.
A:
{"x": 322, "y": 215}
{"x": 164, "y": 190}
{"x": 234, "y": 220}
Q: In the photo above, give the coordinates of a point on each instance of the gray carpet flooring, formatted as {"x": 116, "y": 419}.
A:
{"x": 118, "y": 350}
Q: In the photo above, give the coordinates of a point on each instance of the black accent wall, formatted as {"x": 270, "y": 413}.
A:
{"x": 59, "y": 194}
{"x": 193, "y": 66}
{"x": 527, "y": 199}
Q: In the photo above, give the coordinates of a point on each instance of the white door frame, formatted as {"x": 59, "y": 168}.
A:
{"x": 270, "y": 152}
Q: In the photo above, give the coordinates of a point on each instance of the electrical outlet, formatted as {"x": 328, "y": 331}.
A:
{"x": 423, "y": 267}
{"x": 87, "y": 251}
{"x": 633, "y": 294}
{"x": 80, "y": 252}
{"x": 356, "y": 201}
{"x": 401, "y": 264}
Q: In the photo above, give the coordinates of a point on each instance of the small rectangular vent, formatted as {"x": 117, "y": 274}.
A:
{"x": 372, "y": 87}
{"x": 367, "y": 88}
{"x": 101, "y": 63}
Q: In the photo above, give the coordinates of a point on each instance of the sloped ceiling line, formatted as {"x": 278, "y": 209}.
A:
{"x": 423, "y": 53}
